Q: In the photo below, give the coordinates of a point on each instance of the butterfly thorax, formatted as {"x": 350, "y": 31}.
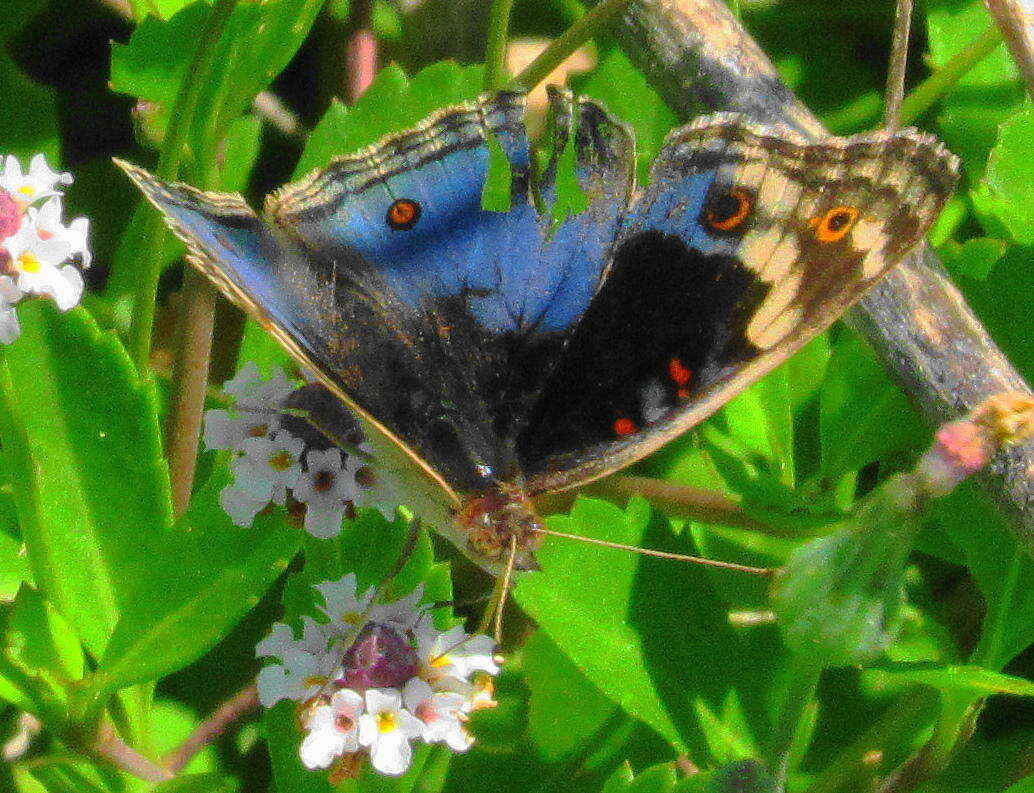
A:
{"x": 501, "y": 520}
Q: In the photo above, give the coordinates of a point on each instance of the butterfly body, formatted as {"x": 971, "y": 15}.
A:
{"x": 496, "y": 354}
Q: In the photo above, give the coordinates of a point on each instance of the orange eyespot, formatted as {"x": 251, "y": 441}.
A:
{"x": 625, "y": 427}
{"x": 727, "y": 211}
{"x": 679, "y": 373}
{"x": 403, "y": 214}
{"x": 835, "y": 224}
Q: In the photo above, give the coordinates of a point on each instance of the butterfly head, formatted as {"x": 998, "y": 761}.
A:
{"x": 501, "y": 520}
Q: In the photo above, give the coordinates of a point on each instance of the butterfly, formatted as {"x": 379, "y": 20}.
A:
{"x": 492, "y": 355}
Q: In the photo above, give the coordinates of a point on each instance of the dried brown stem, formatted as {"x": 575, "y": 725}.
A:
{"x": 110, "y": 747}
{"x": 698, "y": 56}
{"x": 189, "y": 384}
{"x": 1017, "y": 27}
{"x": 898, "y": 63}
{"x": 231, "y": 711}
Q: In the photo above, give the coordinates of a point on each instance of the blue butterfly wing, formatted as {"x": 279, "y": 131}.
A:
{"x": 442, "y": 332}
{"x": 746, "y": 243}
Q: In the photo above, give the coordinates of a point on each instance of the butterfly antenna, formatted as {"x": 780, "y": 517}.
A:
{"x": 679, "y": 557}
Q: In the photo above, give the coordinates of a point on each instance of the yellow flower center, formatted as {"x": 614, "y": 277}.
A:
{"x": 28, "y": 263}
{"x": 387, "y": 721}
{"x": 351, "y": 617}
{"x": 27, "y": 190}
{"x": 440, "y": 660}
{"x": 315, "y": 680}
{"x": 281, "y": 461}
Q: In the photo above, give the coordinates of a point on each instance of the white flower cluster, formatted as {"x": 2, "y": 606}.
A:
{"x": 270, "y": 460}
{"x": 34, "y": 244}
{"x": 376, "y": 677}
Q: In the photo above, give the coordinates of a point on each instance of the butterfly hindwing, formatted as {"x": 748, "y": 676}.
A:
{"x": 746, "y": 243}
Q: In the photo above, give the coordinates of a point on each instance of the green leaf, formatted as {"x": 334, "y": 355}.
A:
{"x": 565, "y": 711}
{"x": 975, "y": 257}
{"x": 392, "y": 103}
{"x": 649, "y": 634}
{"x": 970, "y": 679}
{"x": 258, "y": 41}
{"x": 1025, "y": 785}
{"x": 1009, "y": 176}
{"x": 1002, "y": 570}
{"x": 198, "y": 783}
{"x": 81, "y": 443}
{"x": 40, "y": 658}
{"x": 863, "y": 416}
{"x": 203, "y": 578}
{"x": 987, "y": 95}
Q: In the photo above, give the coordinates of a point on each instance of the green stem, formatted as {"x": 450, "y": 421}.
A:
{"x": 495, "y": 49}
{"x": 589, "y": 26}
{"x": 943, "y": 79}
{"x": 181, "y": 119}
{"x": 804, "y": 679}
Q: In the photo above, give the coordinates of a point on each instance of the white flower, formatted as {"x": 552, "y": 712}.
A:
{"x": 324, "y": 489}
{"x": 39, "y": 182}
{"x": 269, "y": 466}
{"x": 387, "y": 728}
{"x": 442, "y": 714}
{"x": 255, "y": 410}
{"x": 305, "y": 666}
{"x": 47, "y": 222}
{"x": 34, "y": 263}
{"x": 343, "y": 604}
{"x": 402, "y": 614}
{"x": 453, "y": 653}
{"x": 333, "y": 729}
{"x": 241, "y": 506}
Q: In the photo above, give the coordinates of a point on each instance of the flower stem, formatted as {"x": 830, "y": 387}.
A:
{"x": 181, "y": 118}
{"x": 495, "y": 48}
{"x": 943, "y": 79}
{"x": 589, "y": 26}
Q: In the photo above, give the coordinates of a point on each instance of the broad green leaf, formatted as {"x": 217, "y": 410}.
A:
{"x": 565, "y": 711}
{"x": 650, "y": 635}
{"x": 1025, "y": 785}
{"x": 392, "y": 103}
{"x": 970, "y": 679}
{"x": 987, "y": 95}
{"x": 258, "y": 41}
{"x": 863, "y": 416}
{"x": 1010, "y": 173}
{"x": 974, "y": 257}
{"x": 202, "y": 578}
{"x": 81, "y": 443}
